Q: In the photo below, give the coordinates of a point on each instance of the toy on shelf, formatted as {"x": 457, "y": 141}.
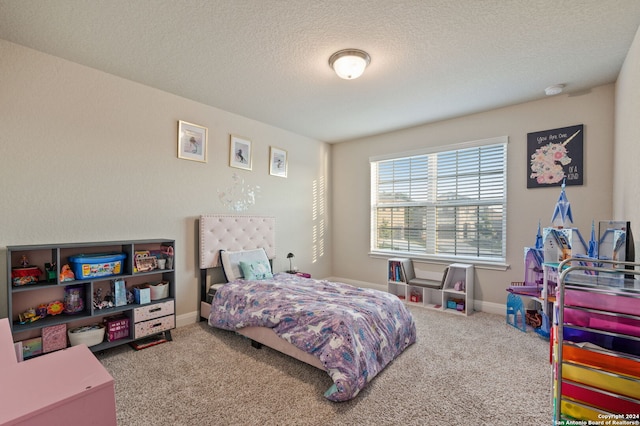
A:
{"x": 55, "y": 308}
{"x": 50, "y": 271}
{"x": 25, "y": 273}
{"x": 41, "y": 310}
{"x": 24, "y": 276}
{"x": 28, "y": 316}
{"x": 144, "y": 262}
{"x": 73, "y": 299}
{"x": 102, "y": 303}
{"x": 167, "y": 253}
{"x": 66, "y": 274}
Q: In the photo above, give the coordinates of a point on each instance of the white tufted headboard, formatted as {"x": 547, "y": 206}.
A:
{"x": 227, "y": 232}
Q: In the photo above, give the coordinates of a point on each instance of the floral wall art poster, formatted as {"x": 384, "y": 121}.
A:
{"x": 554, "y": 156}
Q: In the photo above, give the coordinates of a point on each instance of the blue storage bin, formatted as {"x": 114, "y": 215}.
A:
{"x": 86, "y": 266}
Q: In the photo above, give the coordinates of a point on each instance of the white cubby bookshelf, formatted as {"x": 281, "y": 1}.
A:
{"x": 433, "y": 290}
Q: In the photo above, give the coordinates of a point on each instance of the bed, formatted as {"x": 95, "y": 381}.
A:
{"x": 349, "y": 332}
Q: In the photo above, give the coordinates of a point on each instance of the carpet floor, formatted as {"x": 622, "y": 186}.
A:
{"x": 474, "y": 370}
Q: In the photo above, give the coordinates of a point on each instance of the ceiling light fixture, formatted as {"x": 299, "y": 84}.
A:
{"x": 349, "y": 63}
{"x": 554, "y": 90}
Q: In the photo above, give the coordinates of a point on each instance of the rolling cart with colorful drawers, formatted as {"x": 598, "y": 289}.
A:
{"x": 596, "y": 343}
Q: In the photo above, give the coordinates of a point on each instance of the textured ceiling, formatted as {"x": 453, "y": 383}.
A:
{"x": 267, "y": 59}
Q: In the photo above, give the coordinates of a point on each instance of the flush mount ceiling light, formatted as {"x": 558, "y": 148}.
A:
{"x": 349, "y": 63}
{"x": 554, "y": 90}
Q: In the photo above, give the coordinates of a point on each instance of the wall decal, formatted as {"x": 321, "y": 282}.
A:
{"x": 239, "y": 196}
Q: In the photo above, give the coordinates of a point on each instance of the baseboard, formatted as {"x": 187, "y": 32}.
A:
{"x": 490, "y": 307}
{"x": 188, "y": 318}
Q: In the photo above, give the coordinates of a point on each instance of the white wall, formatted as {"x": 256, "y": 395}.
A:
{"x": 593, "y": 200}
{"x": 87, "y": 156}
{"x": 626, "y": 181}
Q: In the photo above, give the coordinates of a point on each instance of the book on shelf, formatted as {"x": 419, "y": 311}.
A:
{"x": 401, "y": 270}
{"x": 444, "y": 276}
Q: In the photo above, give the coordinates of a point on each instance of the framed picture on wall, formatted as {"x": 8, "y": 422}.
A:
{"x": 278, "y": 162}
{"x": 192, "y": 142}
{"x": 240, "y": 152}
{"x": 555, "y": 156}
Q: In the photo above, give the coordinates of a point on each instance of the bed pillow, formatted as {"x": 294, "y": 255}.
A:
{"x": 231, "y": 261}
{"x": 256, "y": 270}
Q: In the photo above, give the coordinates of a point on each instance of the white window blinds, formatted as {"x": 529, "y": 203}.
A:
{"x": 448, "y": 203}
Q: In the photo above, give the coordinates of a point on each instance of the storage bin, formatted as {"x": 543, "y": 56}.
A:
{"x": 89, "y": 335}
{"x": 603, "y": 361}
{"x": 96, "y": 265}
{"x": 145, "y": 313}
{"x": 142, "y": 295}
{"x": 147, "y": 328}
{"x": 601, "y": 301}
{"x": 28, "y": 275}
{"x": 597, "y": 321}
{"x": 159, "y": 290}
{"x": 117, "y": 328}
{"x": 603, "y": 380}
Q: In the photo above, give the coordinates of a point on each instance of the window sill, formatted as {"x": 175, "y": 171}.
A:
{"x": 442, "y": 260}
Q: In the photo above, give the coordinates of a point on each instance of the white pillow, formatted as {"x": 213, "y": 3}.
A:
{"x": 231, "y": 261}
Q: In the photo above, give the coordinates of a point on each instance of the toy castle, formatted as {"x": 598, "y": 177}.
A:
{"x": 562, "y": 241}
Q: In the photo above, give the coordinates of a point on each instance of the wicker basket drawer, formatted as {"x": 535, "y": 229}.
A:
{"x": 157, "y": 325}
{"x": 157, "y": 310}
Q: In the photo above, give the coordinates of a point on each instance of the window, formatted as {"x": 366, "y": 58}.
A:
{"x": 446, "y": 204}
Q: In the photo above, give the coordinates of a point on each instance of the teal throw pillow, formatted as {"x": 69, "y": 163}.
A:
{"x": 256, "y": 270}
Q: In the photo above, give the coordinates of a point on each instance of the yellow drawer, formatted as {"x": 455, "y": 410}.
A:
{"x": 618, "y": 384}
{"x": 582, "y": 412}
{"x": 157, "y": 310}
{"x": 156, "y": 325}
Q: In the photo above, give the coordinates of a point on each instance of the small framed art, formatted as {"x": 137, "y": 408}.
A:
{"x": 31, "y": 347}
{"x": 240, "y": 152}
{"x": 278, "y": 162}
{"x": 192, "y": 142}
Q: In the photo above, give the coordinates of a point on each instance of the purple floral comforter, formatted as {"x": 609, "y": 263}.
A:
{"x": 354, "y": 332}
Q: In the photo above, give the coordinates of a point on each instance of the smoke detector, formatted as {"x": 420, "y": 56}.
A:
{"x": 554, "y": 90}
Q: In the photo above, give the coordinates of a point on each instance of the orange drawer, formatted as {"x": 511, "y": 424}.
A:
{"x": 156, "y": 310}
{"x": 616, "y": 364}
{"x": 147, "y": 328}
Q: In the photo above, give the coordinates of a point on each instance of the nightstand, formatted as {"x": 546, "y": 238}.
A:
{"x": 212, "y": 291}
